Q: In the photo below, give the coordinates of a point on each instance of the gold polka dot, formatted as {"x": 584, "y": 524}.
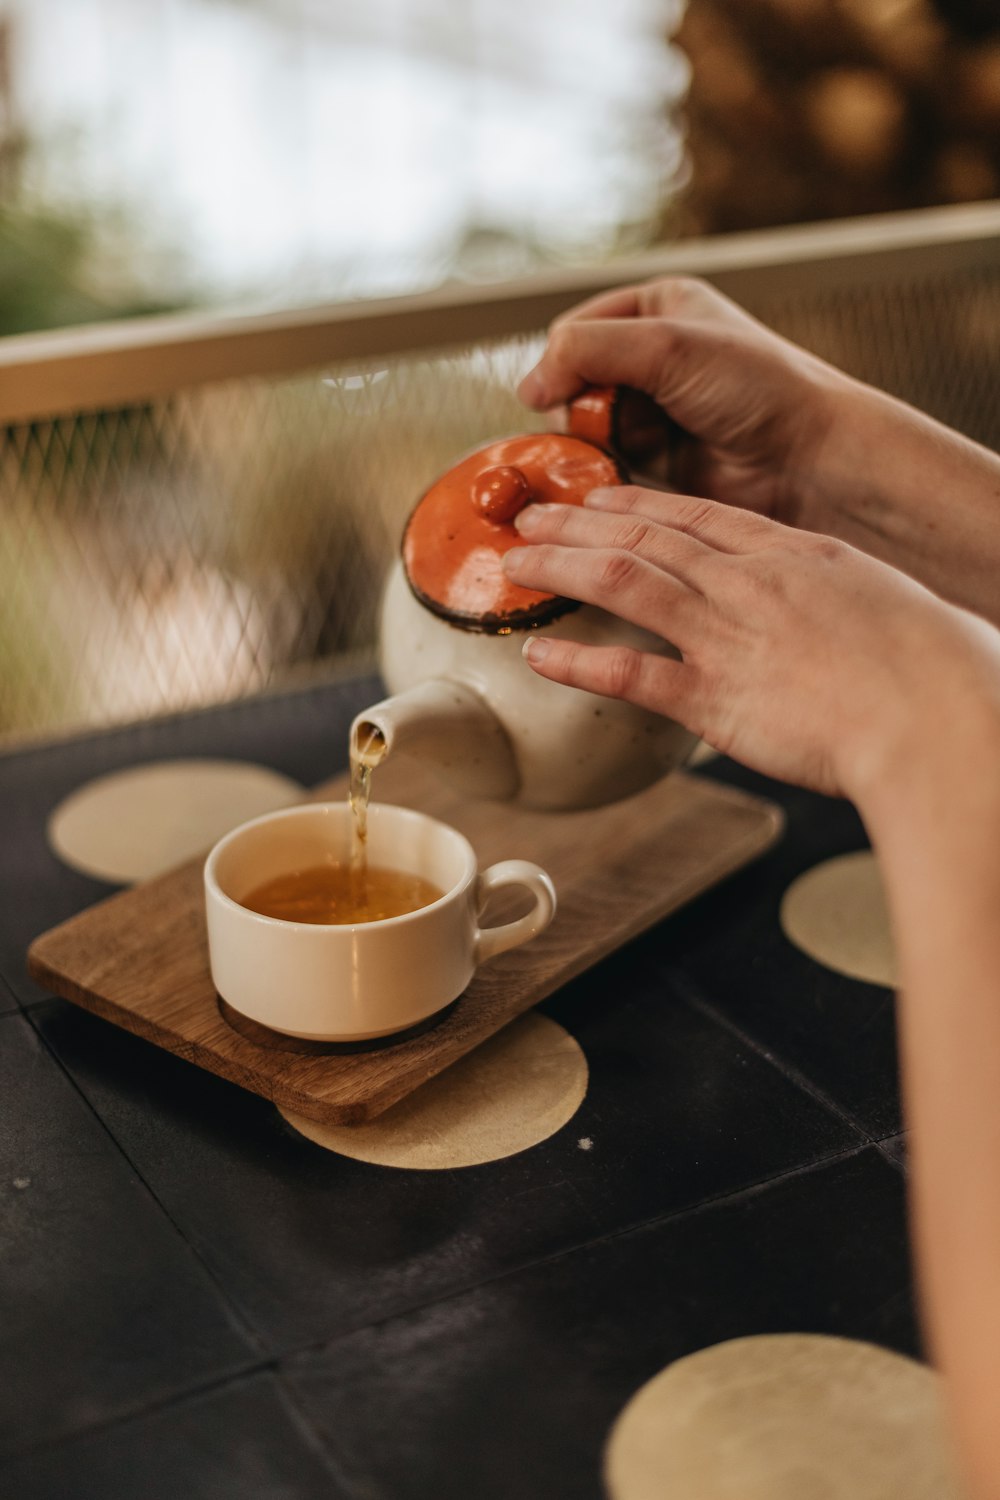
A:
{"x": 784, "y": 1417}
{"x": 512, "y": 1092}
{"x": 134, "y": 824}
{"x": 837, "y": 914}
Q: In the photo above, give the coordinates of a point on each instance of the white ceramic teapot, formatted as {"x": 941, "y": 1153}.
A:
{"x": 453, "y": 625}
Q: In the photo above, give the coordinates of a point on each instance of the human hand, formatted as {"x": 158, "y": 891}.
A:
{"x": 754, "y": 409}
{"x": 801, "y": 657}
{"x": 777, "y": 431}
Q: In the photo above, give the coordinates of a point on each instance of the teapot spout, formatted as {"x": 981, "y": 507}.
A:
{"x": 447, "y": 724}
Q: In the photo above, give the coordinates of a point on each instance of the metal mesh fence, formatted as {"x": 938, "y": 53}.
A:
{"x": 206, "y": 546}
{"x": 934, "y": 340}
{"x": 203, "y": 547}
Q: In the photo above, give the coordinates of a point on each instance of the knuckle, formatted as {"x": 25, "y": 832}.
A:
{"x": 680, "y": 293}
{"x": 825, "y": 548}
{"x": 627, "y": 496}
{"x": 560, "y": 339}
{"x": 555, "y": 522}
{"x": 622, "y": 671}
{"x": 536, "y": 562}
{"x": 675, "y": 339}
{"x": 615, "y": 571}
{"x": 689, "y": 291}
{"x": 564, "y": 658}
{"x": 694, "y": 515}
{"x": 633, "y": 534}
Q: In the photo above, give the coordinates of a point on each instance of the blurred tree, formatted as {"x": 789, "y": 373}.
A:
{"x": 51, "y": 258}
{"x": 817, "y": 109}
{"x": 45, "y": 260}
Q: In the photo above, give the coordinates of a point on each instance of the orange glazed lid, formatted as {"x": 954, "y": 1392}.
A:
{"x": 456, "y": 537}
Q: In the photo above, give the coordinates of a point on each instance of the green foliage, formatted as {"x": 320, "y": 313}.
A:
{"x": 47, "y": 263}
{"x": 36, "y": 669}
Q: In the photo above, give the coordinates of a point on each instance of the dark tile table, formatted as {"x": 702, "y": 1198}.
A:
{"x": 196, "y": 1302}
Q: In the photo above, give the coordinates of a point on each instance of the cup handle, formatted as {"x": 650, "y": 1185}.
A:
{"x": 490, "y": 941}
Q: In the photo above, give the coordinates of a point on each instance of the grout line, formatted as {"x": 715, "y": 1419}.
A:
{"x": 18, "y": 1007}
{"x": 297, "y": 1418}
{"x": 640, "y": 1226}
{"x": 900, "y": 1163}
{"x": 273, "y": 1363}
{"x": 339, "y": 1468}
{"x": 691, "y": 997}
{"x": 276, "y": 1364}
{"x": 135, "y": 1414}
{"x": 253, "y": 1339}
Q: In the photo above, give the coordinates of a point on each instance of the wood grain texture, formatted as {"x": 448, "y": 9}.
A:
{"x": 140, "y": 959}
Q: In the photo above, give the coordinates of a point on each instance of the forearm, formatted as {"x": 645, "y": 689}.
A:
{"x": 937, "y": 832}
{"x": 906, "y": 489}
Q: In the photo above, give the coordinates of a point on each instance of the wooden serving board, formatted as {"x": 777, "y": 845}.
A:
{"x": 140, "y": 959}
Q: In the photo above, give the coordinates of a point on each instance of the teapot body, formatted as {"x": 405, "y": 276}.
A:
{"x": 571, "y": 749}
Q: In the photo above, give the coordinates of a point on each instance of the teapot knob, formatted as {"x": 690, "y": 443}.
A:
{"x": 499, "y": 493}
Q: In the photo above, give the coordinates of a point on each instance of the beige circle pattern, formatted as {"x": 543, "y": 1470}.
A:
{"x": 514, "y": 1091}
{"x": 137, "y": 823}
{"x": 784, "y": 1417}
{"x": 837, "y": 914}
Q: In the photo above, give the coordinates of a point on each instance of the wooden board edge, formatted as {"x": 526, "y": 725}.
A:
{"x": 384, "y": 1093}
{"x": 185, "y": 1050}
{"x": 755, "y": 842}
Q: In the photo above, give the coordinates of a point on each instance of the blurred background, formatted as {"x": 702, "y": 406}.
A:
{"x": 209, "y": 155}
{"x": 171, "y": 152}
{"x": 168, "y": 153}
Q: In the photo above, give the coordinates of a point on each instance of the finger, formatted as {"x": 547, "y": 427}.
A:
{"x": 723, "y": 528}
{"x": 659, "y": 683}
{"x": 622, "y": 302}
{"x": 666, "y": 296}
{"x": 679, "y": 298}
{"x": 666, "y": 547}
{"x": 598, "y": 351}
{"x": 619, "y": 582}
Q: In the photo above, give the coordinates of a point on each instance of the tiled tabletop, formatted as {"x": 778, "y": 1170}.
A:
{"x": 195, "y": 1302}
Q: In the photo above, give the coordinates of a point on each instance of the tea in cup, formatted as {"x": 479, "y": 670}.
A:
{"x": 341, "y": 894}
{"x": 298, "y": 945}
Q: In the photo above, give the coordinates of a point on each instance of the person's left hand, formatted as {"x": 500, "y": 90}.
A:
{"x": 801, "y": 657}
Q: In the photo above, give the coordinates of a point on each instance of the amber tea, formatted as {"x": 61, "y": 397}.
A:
{"x": 364, "y": 757}
{"x": 330, "y": 893}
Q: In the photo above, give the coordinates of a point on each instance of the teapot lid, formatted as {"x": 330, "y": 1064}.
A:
{"x": 460, "y": 530}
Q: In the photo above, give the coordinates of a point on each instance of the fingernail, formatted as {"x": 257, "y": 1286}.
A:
{"x": 512, "y": 560}
{"x": 532, "y": 389}
{"x": 599, "y": 498}
{"x": 535, "y": 649}
{"x": 528, "y": 518}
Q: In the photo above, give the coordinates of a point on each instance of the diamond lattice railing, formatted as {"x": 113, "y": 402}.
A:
{"x": 199, "y": 548}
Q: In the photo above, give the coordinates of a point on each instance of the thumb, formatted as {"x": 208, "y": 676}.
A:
{"x": 602, "y": 351}
{"x": 706, "y": 377}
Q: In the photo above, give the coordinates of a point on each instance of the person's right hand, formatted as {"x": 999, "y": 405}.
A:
{"x": 773, "y": 429}
{"x": 755, "y": 409}
{"x": 798, "y": 656}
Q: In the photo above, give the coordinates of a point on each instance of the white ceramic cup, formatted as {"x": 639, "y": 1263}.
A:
{"x": 368, "y": 979}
